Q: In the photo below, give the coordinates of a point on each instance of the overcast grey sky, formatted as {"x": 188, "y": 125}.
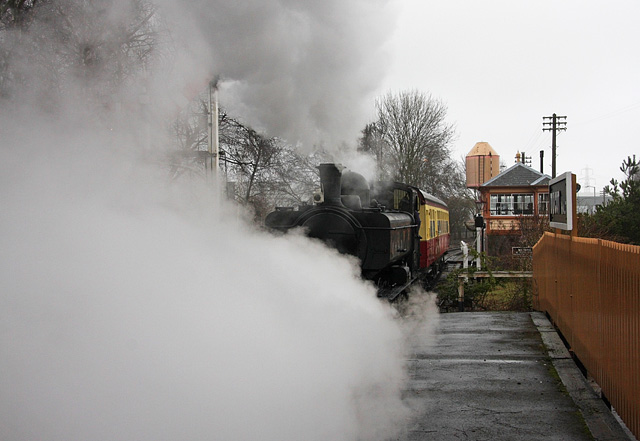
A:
{"x": 501, "y": 65}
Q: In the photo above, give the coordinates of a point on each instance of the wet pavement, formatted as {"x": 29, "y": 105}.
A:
{"x": 490, "y": 376}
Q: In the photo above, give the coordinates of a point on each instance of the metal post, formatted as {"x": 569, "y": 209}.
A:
{"x": 479, "y": 221}
{"x": 478, "y": 246}
{"x": 210, "y": 126}
{"x": 553, "y": 146}
{"x": 213, "y": 138}
{"x": 461, "y": 294}
{"x": 465, "y": 254}
{"x": 465, "y": 265}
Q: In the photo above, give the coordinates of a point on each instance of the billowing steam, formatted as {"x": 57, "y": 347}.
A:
{"x": 136, "y": 308}
{"x": 124, "y": 318}
{"x": 131, "y": 311}
{"x": 303, "y": 70}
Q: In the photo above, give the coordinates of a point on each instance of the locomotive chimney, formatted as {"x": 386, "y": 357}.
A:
{"x": 331, "y": 177}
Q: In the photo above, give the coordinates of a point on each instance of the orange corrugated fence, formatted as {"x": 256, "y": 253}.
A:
{"x": 591, "y": 290}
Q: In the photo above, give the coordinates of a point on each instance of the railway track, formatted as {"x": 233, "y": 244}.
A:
{"x": 453, "y": 260}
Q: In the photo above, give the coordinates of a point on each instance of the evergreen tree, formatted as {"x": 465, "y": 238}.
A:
{"x": 619, "y": 220}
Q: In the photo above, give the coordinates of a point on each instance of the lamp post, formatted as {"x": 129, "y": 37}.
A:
{"x": 480, "y": 226}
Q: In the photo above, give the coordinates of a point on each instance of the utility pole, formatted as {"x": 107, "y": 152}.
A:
{"x": 212, "y": 123}
{"x": 554, "y": 124}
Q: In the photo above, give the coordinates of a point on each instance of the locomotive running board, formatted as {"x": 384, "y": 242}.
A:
{"x": 393, "y": 293}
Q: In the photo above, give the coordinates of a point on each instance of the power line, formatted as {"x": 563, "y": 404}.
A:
{"x": 611, "y": 114}
{"x": 533, "y": 139}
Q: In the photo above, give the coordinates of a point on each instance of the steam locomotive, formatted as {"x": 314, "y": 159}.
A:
{"x": 399, "y": 233}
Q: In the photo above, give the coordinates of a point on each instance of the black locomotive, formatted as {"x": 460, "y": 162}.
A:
{"x": 379, "y": 224}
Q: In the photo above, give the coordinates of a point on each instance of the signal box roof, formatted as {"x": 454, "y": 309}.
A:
{"x": 518, "y": 175}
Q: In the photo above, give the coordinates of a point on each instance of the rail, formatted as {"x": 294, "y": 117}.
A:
{"x": 591, "y": 290}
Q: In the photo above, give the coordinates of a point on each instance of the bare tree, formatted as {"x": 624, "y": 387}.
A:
{"x": 373, "y": 144}
{"x": 267, "y": 171}
{"x": 65, "y": 43}
{"x": 252, "y": 153}
{"x": 98, "y": 54}
{"x": 412, "y": 140}
{"x": 189, "y": 130}
{"x": 298, "y": 177}
{"x": 15, "y": 13}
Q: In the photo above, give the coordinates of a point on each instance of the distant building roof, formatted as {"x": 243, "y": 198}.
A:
{"x": 519, "y": 175}
{"x": 588, "y": 204}
{"x": 482, "y": 149}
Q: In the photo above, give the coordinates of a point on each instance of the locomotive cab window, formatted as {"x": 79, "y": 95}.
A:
{"x": 402, "y": 201}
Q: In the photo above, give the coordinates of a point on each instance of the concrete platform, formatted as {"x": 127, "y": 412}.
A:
{"x": 499, "y": 376}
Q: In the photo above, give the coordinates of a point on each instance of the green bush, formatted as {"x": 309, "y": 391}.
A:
{"x": 485, "y": 294}
{"x": 475, "y": 290}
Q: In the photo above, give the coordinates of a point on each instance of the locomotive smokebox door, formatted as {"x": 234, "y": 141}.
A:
{"x": 335, "y": 230}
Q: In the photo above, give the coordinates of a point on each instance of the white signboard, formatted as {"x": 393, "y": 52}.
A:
{"x": 561, "y": 202}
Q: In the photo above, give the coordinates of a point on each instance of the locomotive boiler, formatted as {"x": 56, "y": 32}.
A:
{"x": 386, "y": 225}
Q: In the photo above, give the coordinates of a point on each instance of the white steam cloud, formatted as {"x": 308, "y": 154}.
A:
{"x": 128, "y": 313}
{"x": 302, "y": 70}
{"x": 135, "y": 308}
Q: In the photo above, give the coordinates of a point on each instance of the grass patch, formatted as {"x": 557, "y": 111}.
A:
{"x": 485, "y": 294}
{"x": 509, "y": 295}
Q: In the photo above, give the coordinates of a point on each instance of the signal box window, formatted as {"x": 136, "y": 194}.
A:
{"x": 511, "y": 204}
